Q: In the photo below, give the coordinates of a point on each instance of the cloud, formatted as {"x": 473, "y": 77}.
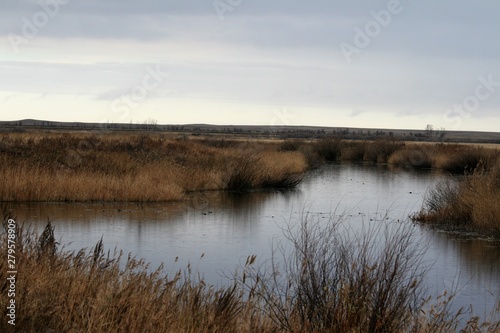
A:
{"x": 263, "y": 53}
{"x": 423, "y": 27}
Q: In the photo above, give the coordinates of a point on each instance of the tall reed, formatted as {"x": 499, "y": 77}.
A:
{"x": 127, "y": 167}
{"x": 328, "y": 282}
{"x": 157, "y": 167}
{"x": 326, "y": 278}
{"x": 472, "y": 201}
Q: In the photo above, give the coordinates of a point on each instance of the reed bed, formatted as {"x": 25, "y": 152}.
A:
{"x": 454, "y": 158}
{"x": 472, "y": 202}
{"x": 156, "y": 167}
{"x": 125, "y": 167}
{"x": 356, "y": 285}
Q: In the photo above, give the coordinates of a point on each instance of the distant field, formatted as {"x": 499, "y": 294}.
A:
{"x": 263, "y": 132}
{"x": 467, "y": 144}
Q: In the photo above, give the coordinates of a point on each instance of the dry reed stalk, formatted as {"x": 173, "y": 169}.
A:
{"x": 124, "y": 167}
{"x": 353, "y": 286}
{"x": 473, "y": 202}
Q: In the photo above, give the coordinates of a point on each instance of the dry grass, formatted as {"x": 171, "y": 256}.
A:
{"x": 334, "y": 280}
{"x": 124, "y": 167}
{"x": 156, "y": 167}
{"x": 89, "y": 292}
{"x": 329, "y": 149}
{"x": 472, "y": 202}
{"x": 411, "y": 157}
{"x": 336, "y": 149}
{"x": 354, "y": 286}
{"x": 381, "y": 150}
{"x": 353, "y": 151}
{"x": 454, "y": 158}
{"x": 462, "y": 158}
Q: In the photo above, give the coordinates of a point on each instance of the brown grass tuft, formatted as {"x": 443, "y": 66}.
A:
{"x": 157, "y": 167}
{"x": 329, "y": 149}
{"x": 380, "y": 151}
{"x": 460, "y": 159}
{"x": 349, "y": 285}
{"x": 126, "y": 167}
{"x": 411, "y": 157}
{"x": 472, "y": 202}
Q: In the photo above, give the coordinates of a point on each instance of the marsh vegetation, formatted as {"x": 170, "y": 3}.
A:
{"x": 158, "y": 167}
{"x": 120, "y": 167}
{"x": 325, "y": 279}
{"x": 105, "y": 167}
{"x": 358, "y": 285}
{"x": 471, "y": 202}
{"x": 123, "y": 167}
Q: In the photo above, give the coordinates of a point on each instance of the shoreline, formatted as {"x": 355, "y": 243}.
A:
{"x": 113, "y": 167}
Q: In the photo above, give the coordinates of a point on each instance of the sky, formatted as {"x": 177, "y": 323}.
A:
{"x": 376, "y": 64}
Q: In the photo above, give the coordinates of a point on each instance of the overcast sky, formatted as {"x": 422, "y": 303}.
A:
{"x": 378, "y": 64}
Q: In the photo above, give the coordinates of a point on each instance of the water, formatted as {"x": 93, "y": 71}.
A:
{"x": 215, "y": 232}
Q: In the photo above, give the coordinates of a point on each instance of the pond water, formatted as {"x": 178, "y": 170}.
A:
{"x": 215, "y": 231}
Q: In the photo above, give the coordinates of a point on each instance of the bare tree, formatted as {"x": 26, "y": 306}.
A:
{"x": 429, "y": 130}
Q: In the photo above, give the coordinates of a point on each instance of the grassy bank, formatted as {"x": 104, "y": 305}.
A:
{"x": 124, "y": 167}
{"x": 455, "y": 158}
{"x": 471, "y": 202}
{"x": 118, "y": 166}
{"x": 355, "y": 286}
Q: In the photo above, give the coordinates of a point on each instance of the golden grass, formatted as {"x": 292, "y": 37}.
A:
{"x": 411, "y": 158}
{"x": 380, "y": 151}
{"x": 117, "y": 166}
{"x": 348, "y": 288}
{"x": 456, "y": 158}
{"x": 125, "y": 167}
{"x": 89, "y": 292}
{"x": 460, "y": 158}
{"x": 472, "y": 202}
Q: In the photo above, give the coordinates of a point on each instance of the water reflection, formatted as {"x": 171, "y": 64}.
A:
{"x": 467, "y": 265}
{"x": 227, "y": 227}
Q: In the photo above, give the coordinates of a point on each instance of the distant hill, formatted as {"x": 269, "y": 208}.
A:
{"x": 281, "y": 132}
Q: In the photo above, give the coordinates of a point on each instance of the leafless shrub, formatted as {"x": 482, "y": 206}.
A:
{"x": 333, "y": 280}
{"x": 327, "y": 281}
